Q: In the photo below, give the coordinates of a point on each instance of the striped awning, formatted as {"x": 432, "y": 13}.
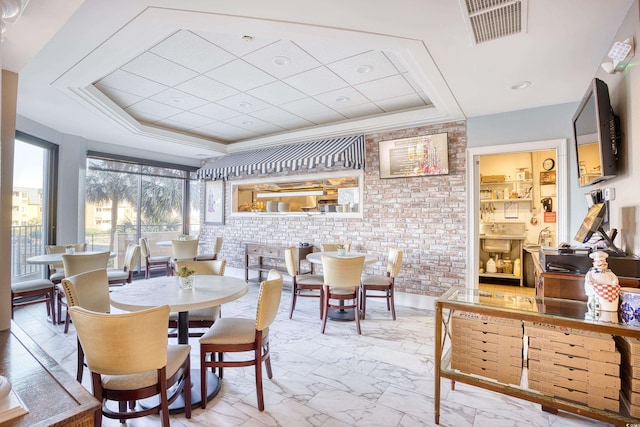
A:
{"x": 347, "y": 152}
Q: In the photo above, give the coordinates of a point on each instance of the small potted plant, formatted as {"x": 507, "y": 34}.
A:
{"x": 70, "y": 249}
{"x": 341, "y": 250}
{"x": 182, "y": 237}
{"x": 185, "y": 277}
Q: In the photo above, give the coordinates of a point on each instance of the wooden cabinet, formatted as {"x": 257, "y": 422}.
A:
{"x": 571, "y": 286}
{"x": 262, "y": 258}
{"x": 495, "y": 311}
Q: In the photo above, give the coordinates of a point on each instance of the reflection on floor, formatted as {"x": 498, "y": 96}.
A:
{"x": 382, "y": 378}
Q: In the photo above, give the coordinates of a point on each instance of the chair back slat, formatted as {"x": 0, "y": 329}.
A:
{"x": 120, "y": 344}
{"x": 268, "y": 300}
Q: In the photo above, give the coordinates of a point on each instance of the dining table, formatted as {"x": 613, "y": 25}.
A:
{"x": 56, "y": 258}
{"x": 316, "y": 258}
{"x": 207, "y": 291}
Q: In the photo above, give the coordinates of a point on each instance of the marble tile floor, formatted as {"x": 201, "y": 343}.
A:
{"x": 382, "y": 378}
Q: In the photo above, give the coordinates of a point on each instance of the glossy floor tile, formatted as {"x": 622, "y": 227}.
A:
{"x": 382, "y": 378}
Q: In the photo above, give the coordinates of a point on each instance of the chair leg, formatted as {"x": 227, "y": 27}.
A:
{"x": 357, "y": 313}
{"x": 67, "y": 320}
{"x": 393, "y": 303}
{"x": 325, "y": 309}
{"x": 294, "y": 292}
{"x": 321, "y": 301}
{"x": 186, "y": 390}
{"x": 258, "y": 362}
{"x": 203, "y": 378}
{"x": 363, "y": 301}
{"x": 80, "y": 363}
{"x": 164, "y": 404}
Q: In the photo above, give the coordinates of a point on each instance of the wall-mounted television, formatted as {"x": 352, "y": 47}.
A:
{"x": 596, "y": 132}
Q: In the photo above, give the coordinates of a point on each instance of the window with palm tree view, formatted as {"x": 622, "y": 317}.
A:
{"x": 126, "y": 200}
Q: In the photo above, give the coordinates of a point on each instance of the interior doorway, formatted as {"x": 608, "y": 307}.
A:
{"x": 517, "y": 196}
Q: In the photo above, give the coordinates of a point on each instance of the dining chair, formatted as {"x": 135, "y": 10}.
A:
{"x": 184, "y": 250}
{"x": 130, "y": 359}
{"x": 120, "y": 276}
{"x": 56, "y": 270}
{"x": 76, "y": 264}
{"x": 204, "y": 317}
{"x": 217, "y": 247}
{"x": 34, "y": 292}
{"x": 153, "y": 262}
{"x": 382, "y": 285}
{"x": 333, "y": 247}
{"x": 303, "y": 285}
{"x": 341, "y": 283}
{"x": 88, "y": 290}
{"x": 233, "y": 335}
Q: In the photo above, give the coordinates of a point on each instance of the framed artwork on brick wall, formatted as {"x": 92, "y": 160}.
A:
{"x": 415, "y": 156}
{"x": 214, "y": 202}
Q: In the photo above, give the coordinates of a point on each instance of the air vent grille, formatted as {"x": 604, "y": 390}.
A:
{"x": 494, "y": 19}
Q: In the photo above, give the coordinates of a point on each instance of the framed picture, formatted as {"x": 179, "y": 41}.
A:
{"x": 416, "y": 156}
{"x": 214, "y": 202}
{"x": 547, "y": 177}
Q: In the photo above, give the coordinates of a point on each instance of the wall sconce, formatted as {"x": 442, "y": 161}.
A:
{"x": 620, "y": 55}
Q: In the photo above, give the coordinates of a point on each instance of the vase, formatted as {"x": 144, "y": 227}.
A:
{"x": 70, "y": 251}
{"x": 186, "y": 282}
{"x": 342, "y": 252}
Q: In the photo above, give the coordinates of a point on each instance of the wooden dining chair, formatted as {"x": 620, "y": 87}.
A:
{"x": 34, "y": 292}
{"x": 382, "y": 286}
{"x": 129, "y": 359}
{"x": 76, "y": 264}
{"x": 56, "y": 270}
{"x": 303, "y": 285}
{"x": 217, "y": 248}
{"x": 121, "y": 276}
{"x": 242, "y": 335}
{"x": 152, "y": 263}
{"x": 88, "y": 290}
{"x": 184, "y": 250}
{"x": 341, "y": 284}
{"x": 204, "y": 317}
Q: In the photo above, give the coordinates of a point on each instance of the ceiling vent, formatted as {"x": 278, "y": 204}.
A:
{"x": 493, "y": 19}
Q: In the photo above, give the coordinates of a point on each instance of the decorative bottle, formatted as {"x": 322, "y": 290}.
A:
{"x": 601, "y": 284}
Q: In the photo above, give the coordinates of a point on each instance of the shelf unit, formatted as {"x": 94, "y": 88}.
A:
{"x": 518, "y": 187}
{"x": 516, "y": 252}
{"x": 555, "y": 312}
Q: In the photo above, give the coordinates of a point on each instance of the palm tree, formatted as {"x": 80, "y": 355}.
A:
{"x": 114, "y": 187}
{"x": 161, "y": 201}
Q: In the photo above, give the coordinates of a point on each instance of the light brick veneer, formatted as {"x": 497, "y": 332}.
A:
{"x": 424, "y": 217}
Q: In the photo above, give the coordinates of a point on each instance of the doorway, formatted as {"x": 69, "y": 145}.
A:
{"x": 515, "y": 185}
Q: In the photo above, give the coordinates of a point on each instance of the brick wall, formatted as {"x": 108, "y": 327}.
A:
{"x": 424, "y": 217}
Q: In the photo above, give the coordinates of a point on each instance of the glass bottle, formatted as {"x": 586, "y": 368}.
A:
{"x": 499, "y": 265}
{"x": 508, "y": 266}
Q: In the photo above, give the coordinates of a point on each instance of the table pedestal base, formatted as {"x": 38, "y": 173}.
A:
{"x": 177, "y": 407}
{"x": 342, "y": 314}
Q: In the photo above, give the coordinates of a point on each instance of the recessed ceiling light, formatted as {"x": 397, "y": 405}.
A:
{"x": 281, "y": 60}
{"x": 364, "y": 69}
{"x": 244, "y": 104}
{"x": 342, "y": 99}
{"x": 177, "y": 100}
{"x": 247, "y": 38}
{"x": 520, "y": 85}
{"x": 247, "y": 122}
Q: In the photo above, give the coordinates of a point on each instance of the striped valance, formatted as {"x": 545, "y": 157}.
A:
{"x": 347, "y": 152}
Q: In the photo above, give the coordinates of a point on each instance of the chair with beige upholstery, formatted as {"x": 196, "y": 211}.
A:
{"x": 129, "y": 359}
{"x": 75, "y": 264}
{"x": 88, "y": 290}
{"x": 217, "y": 248}
{"x": 34, "y": 292}
{"x": 184, "y": 250}
{"x": 333, "y": 247}
{"x": 382, "y": 285}
{"x": 153, "y": 262}
{"x": 56, "y": 270}
{"x": 303, "y": 285}
{"x": 232, "y": 335}
{"x": 120, "y": 276}
{"x": 341, "y": 283}
{"x": 204, "y": 317}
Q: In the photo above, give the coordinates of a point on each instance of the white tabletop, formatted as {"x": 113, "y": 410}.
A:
{"x": 208, "y": 291}
{"x": 57, "y": 257}
{"x": 168, "y": 243}
{"x": 316, "y": 257}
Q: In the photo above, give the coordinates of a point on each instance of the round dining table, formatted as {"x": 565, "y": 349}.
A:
{"x": 316, "y": 258}
{"x": 55, "y": 258}
{"x": 207, "y": 291}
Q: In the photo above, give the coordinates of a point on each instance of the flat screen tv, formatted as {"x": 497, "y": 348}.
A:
{"x": 596, "y": 135}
